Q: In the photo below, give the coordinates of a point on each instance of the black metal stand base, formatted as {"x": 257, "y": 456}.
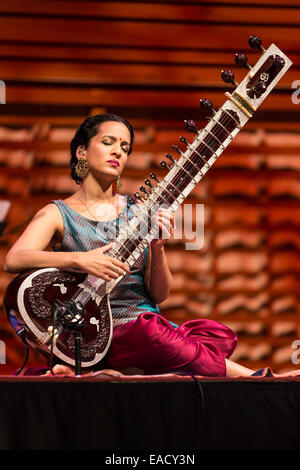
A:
{"x": 77, "y": 339}
{"x": 70, "y": 314}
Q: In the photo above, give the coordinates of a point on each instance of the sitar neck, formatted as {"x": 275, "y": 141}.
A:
{"x": 180, "y": 180}
{"x": 199, "y": 155}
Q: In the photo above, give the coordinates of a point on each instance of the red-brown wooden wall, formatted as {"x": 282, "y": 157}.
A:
{"x": 152, "y": 62}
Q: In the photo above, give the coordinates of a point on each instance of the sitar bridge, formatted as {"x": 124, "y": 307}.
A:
{"x": 241, "y": 103}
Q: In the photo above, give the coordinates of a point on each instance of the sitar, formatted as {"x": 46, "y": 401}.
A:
{"x": 46, "y": 306}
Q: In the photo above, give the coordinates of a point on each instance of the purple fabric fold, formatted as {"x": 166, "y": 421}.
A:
{"x": 152, "y": 344}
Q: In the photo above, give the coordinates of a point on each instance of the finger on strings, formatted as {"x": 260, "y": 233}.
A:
{"x": 165, "y": 217}
{"x": 107, "y": 247}
{"x": 166, "y": 212}
{"x": 121, "y": 266}
{"x": 113, "y": 273}
{"x": 164, "y": 232}
{"x": 165, "y": 224}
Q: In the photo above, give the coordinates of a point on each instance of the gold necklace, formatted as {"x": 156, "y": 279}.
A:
{"x": 89, "y": 211}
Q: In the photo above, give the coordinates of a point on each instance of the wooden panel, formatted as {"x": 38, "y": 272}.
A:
{"x": 130, "y": 33}
{"x": 120, "y": 54}
{"x": 110, "y": 97}
{"x": 160, "y": 11}
{"x": 153, "y": 61}
{"x": 123, "y": 74}
{"x": 155, "y": 122}
{"x": 129, "y": 55}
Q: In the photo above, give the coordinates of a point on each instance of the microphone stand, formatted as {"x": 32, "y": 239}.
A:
{"x": 71, "y": 316}
{"x": 77, "y": 340}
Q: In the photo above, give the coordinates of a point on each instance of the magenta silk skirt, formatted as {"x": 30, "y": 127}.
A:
{"x": 151, "y": 343}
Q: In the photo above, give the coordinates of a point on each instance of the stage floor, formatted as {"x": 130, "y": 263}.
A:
{"x": 160, "y": 412}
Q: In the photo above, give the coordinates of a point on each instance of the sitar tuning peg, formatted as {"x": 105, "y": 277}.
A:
{"x": 154, "y": 177}
{"x": 256, "y": 43}
{"x": 177, "y": 149}
{"x": 169, "y": 156}
{"x": 137, "y": 196}
{"x": 144, "y": 190}
{"x": 259, "y": 88}
{"x": 242, "y": 60}
{"x": 183, "y": 140}
{"x": 190, "y": 126}
{"x": 148, "y": 183}
{"x": 164, "y": 165}
{"x": 207, "y": 106}
{"x": 228, "y": 77}
{"x": 278, "y": 61}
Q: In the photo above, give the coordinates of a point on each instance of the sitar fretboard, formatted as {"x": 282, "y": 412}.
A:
{"x": 183, "y": 176}
{"x": 197, "y": 159}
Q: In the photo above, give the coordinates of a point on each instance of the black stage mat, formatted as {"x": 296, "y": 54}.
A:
{"x": 166, "y": 412}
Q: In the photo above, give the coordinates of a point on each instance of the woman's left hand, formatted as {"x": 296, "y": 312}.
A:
{"x": 164, "y": 219}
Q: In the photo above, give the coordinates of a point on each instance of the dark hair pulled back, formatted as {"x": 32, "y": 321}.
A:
{"x": 87, "y": 130}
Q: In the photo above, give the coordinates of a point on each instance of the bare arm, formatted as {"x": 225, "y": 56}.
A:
{"x": 29, "y": 251}
{"x": 158, "y": 277}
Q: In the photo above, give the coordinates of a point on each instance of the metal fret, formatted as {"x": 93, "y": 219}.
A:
{"x": 228, "y": 133}
{"x": 193, "y": 150}
{"x": 219, "y": 142}
{"x": 232, "y": 117}
{"x": 122, "y": 246}
{"x": 211, "y": 150}
{"x": 201, "y": 156}
{"x": 165, "y": 189}
{"x": 181, "y": 168}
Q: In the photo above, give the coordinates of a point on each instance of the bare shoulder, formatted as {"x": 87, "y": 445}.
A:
{"x": 47, "y": 223}
{"x": 49, "y": 212}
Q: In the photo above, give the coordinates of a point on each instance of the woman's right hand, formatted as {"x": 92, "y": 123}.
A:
{"x": 99, "y": 264}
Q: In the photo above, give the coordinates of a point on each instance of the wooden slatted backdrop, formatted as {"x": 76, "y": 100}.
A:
{"x": 151, "y": 62}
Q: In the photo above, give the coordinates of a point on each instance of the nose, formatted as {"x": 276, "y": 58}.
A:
{"x": 116, "y": 150}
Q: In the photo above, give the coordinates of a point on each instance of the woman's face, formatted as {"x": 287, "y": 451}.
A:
{"x": 108, "y": 150}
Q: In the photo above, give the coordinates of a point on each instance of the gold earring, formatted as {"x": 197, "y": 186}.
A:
{"x": 118, "y": 183}
{"x": 81, "y": 168}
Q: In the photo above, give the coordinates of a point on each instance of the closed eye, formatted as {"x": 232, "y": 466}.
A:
{"x": 124, "y": 147}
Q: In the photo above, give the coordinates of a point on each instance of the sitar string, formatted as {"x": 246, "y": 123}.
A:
{"x": 186, "y": 172}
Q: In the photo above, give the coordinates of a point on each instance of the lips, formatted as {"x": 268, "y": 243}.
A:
{"x": 114, "y": 163}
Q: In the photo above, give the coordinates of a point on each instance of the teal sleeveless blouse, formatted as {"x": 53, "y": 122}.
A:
{"x": 130, "y": 297}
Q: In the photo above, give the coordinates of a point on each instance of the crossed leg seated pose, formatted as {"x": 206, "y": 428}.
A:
{"x": 81, "y": 229}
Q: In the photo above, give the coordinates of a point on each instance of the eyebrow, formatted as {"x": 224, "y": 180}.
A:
{"x": 115, "y": 138}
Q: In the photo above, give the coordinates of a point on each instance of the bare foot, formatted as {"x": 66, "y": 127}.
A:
{"x": 110, "y": 372}
{"x": 291, "y": 373}
{"x": 61, "y": 370}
